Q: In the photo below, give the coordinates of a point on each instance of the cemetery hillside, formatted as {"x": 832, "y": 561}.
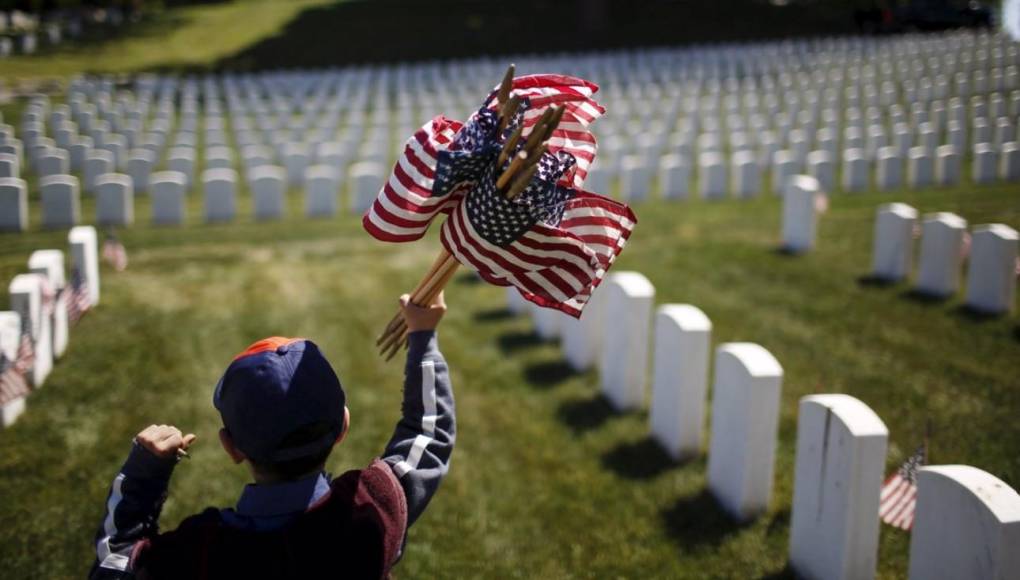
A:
{"x": 802, "y": 360}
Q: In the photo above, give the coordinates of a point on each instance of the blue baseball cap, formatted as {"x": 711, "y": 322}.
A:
{"x": 275, "y": 387}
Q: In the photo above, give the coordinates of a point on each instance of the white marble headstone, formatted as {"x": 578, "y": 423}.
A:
{"x": 366, "y": 181}
{"x": 115, "y": 200}
{"x": 61, "y": 201}
{"x": 84, "y": 248}
{"x": 321, "y": 186}
{"x": 991, "y": 271}
{"x": 800, "y": 214}
{"x": 13, "y": 204}
{"x": 966, "y": 525}
{"x": 745, "y": 419}
{"x": 219, "y": 189}
{"x": 167, "y": 189}
{"x": 50, "y": 263}
{"x": 683, "y": 336}
{"x": 840, "y": 459}
{"x": 623, "y": 365}
{"x": 27, "y": 299}
{"x": 941, "y": 254}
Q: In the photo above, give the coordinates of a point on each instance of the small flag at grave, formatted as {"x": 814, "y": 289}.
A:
{"x": 899, "y": 492}
{"x": 114, "y": 253}
{"x": 510, "y": 181}
{"x": 13, "y": 383}
{"x": 78, "y": 301}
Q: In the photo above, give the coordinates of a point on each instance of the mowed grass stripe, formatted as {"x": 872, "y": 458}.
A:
{"x": 546, "y": 481}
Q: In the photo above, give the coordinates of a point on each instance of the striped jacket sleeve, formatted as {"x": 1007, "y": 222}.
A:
{"x": 419, "y": 451}
{"x": 132, "y": 512}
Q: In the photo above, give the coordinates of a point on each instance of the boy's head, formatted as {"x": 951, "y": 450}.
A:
{"x": 283, "y": 407}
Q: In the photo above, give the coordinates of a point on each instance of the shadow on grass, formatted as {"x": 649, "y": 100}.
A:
{"x": 978, "y": 316}
{"x": 788, "y": 252}
{"x": 643, "y": 459}
{"x": 1016, "y": 332}
{"x": 493, "y": 315}
{"x": 514, "y": 341}
{"x": 548, "y": 373}
{"x": 874, "y": 281}
{"x": 922, "y": 297}
{"x": 698, "y": 520}
{"x": 468, "y": 279}
{"x": 585, "y": 414}
{"x": 786, "y": 573}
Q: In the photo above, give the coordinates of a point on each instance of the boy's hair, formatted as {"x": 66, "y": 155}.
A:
{"x": 297, "y": 467}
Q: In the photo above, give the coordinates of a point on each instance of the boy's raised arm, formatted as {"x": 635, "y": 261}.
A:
{"x": 136, "y": 499}
{"x": 419, "y": 451}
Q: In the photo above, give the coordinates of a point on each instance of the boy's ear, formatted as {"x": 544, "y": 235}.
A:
{"x": 347, "y": 426}
{"x": 236, "y": 455}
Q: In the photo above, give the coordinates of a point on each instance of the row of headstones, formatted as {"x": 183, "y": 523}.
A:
{"x": 209, "y": 87}
{"x": 743, "y": 175}
{"x": 689, "y": 65}
{"x": 797, "y": 115}
{"x": 652, "y": 135}
{"x": 832, "y": 126}
{"x": 38, "y": 308}
{"x": 990, "y": 250}
{"x": 60, "y": 196}
{"x": 966, "y": 519}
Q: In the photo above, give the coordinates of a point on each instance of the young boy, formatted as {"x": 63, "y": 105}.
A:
{"x": 283, "y": 411}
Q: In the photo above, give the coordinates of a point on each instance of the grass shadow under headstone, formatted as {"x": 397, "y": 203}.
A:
{"x": 642, "y": 459}
{"x": 920, "y": 297}
{"x": 978, "y": 316}
{"x": 698, "y": 520}
{"x": 511, "y": 342}
{"x": 873, "y": 281}
{"x": 493, "y": 315}
{"x": 548, "y": 373}
{"x": 585, "y": 414}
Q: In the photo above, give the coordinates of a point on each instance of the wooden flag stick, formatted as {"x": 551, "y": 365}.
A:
{"x": 504, "y": 87}
{"x": 436, "y": 285}
{"x": 522, "y": 182}
{"x": 515, "y": 166}
{"x": 445, "y": 265}
{"x": 554, "y": 122}
{"x": 507, "y": 112}
{"x": 436, "y": 265}
{"x": 532, "y": 151}
{"x": 509, "y": 146}
{"x": 446, "y": 261}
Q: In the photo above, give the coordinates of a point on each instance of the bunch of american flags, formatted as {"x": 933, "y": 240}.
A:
{"x": 547, "y": 237}
{"x": 14, "y": 382}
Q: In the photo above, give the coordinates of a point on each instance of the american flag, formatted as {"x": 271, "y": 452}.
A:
{"x": 554, "y": 242}
{"x": 79, "y": 300}
{"x": 13, "y": 383}
{"x": 899, "y": 492}
{"x": 114, "y": 253}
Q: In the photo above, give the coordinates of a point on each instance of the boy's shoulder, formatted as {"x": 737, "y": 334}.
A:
{"x": 360, "y": 523}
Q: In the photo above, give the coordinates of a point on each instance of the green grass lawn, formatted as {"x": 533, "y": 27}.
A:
{"x": 546, "y": 481}
{"x": 189, "y": 37}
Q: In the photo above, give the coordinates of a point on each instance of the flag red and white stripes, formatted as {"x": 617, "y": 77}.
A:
{"x": 115, "y": 254}
{"x": 79, "y": 300}
{"x": 553, "y": 265}
{"x": 404, "y": 208}
{"x": 899, "y": 493}
{"x": 13, "y": 381}
{"x": 579, "y": 110}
